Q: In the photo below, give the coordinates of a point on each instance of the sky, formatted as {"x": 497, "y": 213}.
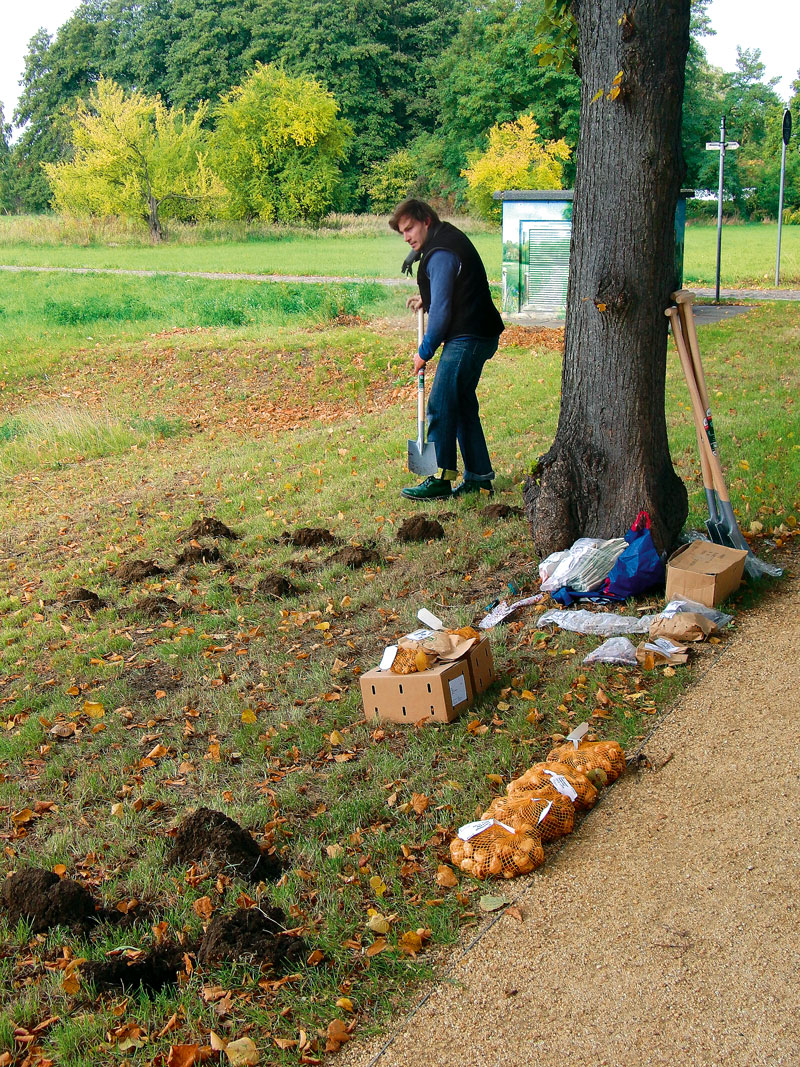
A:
{"x": 771, "y": 25}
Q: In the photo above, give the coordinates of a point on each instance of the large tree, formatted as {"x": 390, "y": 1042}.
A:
{"x": 610, "y": 457}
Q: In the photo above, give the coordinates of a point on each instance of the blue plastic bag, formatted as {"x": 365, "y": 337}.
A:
{"x": 639, "y": 567}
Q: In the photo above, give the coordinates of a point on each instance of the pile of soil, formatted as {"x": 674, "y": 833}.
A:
{"x": 420, "y": 528}
{"x": 210, "y": 836}
{"x": 309, "y": 537}
{"x": 208, "y": 526}
{"x": 146, "y": 680}
{"x": 158, "y": 607}
{"x": 136, "y": 570}
{"x": 41, "y": 897}
{"x": 501, "y": 511}
{"x": 252, "y": 936}
{"x": 199, "y": 554}
{"x": 354, "y": 556}
{"x": 84, "y": 597}
{"x": 152, "y": 972}
{"x": 276, "y": 586}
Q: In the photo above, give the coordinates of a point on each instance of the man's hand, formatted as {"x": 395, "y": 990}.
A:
{"x": 419, "y": 363}
{"x": 414, "y": 302}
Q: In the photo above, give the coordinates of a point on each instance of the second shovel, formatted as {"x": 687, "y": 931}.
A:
{"x": 421, "y": 453}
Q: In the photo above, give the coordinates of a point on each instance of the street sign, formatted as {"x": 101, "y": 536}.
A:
{"x": 714, "y": 146}
{"x": 787, "y": 126}
{"x": 787, "y": 133}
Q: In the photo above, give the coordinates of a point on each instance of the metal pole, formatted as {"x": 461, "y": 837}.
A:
{"x": 719, "y": 204}
{"x": 780, "y": 200}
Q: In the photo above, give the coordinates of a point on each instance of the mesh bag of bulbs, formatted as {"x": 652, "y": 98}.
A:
{"x": 419, "y": 653}
{"x": 539, "y": 806}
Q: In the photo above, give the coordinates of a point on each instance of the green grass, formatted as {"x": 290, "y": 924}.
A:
{"x": 116, "y": 434}
{"x": 747, "y": 256}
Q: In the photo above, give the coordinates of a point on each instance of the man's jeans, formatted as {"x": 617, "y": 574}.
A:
{"x": 453, "y": 406}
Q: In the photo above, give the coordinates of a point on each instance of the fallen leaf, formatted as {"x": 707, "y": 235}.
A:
{"x": 420, "y": 802}
{"x": 93, "y": 709}
{"x": 117, "y": 810}
{"x": 336, "y": 738}
{"x": 21, "y": 818}
{"x": 316, "y": 957}
{"x": 249, "y": 716}
{"x": 338, "y": 1034}
{"x": 378, "y": 945}
{"x": 379, "y": 924}
{"x": 203, "y": 907}
{"x": 491, "y": 903}
{"x": 334, "y": 851}
{"x": 515, "y": 913}
{"x": 157, "y": 753}
{"x": 346, "y": 1004}
{"x": 377, "y": 885}
{"x": 183, "y": 1055}
{"x": 445, "y": 877}
{"x": 242, "y": 1053}
{"x": 410, "y": 943}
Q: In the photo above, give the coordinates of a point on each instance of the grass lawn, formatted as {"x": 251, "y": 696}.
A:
{"x": 358, "y": 246}
{"x": 132, "y": 408}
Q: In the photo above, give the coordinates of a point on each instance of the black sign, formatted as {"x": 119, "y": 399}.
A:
{"x": 787, "y": 126}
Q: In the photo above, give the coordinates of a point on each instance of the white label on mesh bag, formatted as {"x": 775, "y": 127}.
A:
{"x": 561, "y": 785}
{"x": 388, "y": 657}
{"x": 420, "y": 635}
{"x": 429, "y": 619}
{"x": 545, "y": 813}
{"x": 472, "y": 828}
{"x": 458, "y": 690}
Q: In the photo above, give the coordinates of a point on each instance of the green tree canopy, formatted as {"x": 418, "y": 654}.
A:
{"x": 277, "y": 146}
{"x": 135, "y": 157}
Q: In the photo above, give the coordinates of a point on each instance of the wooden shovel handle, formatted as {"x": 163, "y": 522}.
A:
{"x": 712, "y": 463}
{"x": 684, "y": 298}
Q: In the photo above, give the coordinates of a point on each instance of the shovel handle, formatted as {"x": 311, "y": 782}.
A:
{"x": 420, "y": 383}
{"x": 712, "y": 463}
{"x": 684, "y": 298}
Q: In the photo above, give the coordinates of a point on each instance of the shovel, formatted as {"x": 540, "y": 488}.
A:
{"x": 421, "y": 453}
{"x": 722, "y": 525}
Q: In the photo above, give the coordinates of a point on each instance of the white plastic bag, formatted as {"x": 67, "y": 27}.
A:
{"x": 679, "y": 604}
{"x": 600, "y": 623}
{"x": 614, "y": 650}
{"x": 585, "y": 565}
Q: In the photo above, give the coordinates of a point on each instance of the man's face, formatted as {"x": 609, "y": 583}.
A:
{"x": 413, "y": 231}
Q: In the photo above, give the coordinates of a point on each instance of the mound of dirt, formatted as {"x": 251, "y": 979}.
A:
{"x": 135, "y": 570}
{"x": 211, "y": 836}
{"x": 354, "y": 556}
{"x": 148, "y": 678}
{"x": 158, "y": 607}
{"x": 309, "y": 537}
{"x": 46, "y": 900}
{"x": 199, "y": 554}
{"x": 253, "y": 936}
{"x": 501, "y": 511}
{"x": 420, "y": 528}
{"x": 151, "y": 972}
{"x": 208, "y": 526}
{"x": 276, "y": 586}
{"x": 85, "y": 597}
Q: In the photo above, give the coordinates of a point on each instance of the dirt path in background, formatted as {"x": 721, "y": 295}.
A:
{"x": 665, "y": 931}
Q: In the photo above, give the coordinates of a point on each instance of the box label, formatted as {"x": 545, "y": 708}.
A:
{"x": 458, "y": 690}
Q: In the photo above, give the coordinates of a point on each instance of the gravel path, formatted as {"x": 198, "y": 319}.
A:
{"x": 665, "y": 931}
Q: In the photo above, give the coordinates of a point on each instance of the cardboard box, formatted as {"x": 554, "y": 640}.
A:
{"x": 481, "y": 666}
{"x": 705, "y": 572}
{"x": 437, "y": 695}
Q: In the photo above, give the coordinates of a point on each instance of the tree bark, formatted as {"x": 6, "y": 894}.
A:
{"x": 610, "y": 456}
{"x": 153, "y": 221}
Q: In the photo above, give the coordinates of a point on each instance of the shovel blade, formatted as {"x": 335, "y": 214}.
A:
{"x": 422, "y": 460}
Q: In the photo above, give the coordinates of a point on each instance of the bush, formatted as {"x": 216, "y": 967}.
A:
{"x": 390, "y": 180}
{"x": 514, "y": 159}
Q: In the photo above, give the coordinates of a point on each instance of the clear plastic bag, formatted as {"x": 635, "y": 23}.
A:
{"x": 599, "y": 623}
{"x": 614, "y": 650}
{"x": 586, "y": 564}
{"x": 679, "y": 604}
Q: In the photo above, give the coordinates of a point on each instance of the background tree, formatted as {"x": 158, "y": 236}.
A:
{"x": 134, "y": 157}
{"x": 5, "y": 162}
{"x": 277, "y": 146}
{"x": 515, "y": 158}
{"x": 610, "y": 456}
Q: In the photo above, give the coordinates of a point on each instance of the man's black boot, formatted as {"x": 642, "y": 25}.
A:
{"x": 474, "y": 485}
{"x": 432, "y": 488}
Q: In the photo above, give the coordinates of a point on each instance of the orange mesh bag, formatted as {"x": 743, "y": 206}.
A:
{"x": 498, "y": 851}
{"x": 527, "y": 809}
{"x": 538, "y": 776}
{"x": 405, "y": 662}
{"x": 606, "y": 755}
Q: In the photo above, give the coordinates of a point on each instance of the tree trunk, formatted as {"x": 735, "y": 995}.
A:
{"x": 153, "y": 221}
{"x": 610, "y": 456}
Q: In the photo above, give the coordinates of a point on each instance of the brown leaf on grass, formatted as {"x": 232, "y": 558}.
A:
{"x": 378, "y": 945}
{"x": 204, "y": 908}
{"x": 334, "y": 851}
{"x": 285, "y": 1042}
{"x": 410, "y": 943}
{"x": 601, "y": 697}
{"x": 157, "y": 753}
{"x": 338, "y": 1035}
{"x": 445, "y": 877}
{"x": 22, "y": 818}
{"x": 128, "y": 1036}
{"x": 316, "y": 957}
{"x": 346, "y": 1004}
{"x": 242, "y": 1053}
{"x": 420, "y": 802}
{"x": 183, "y": 1055}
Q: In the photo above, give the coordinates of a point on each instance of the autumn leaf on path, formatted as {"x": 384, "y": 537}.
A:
{"x": 445, "y": 877}
{"x": 338, "y": 1034}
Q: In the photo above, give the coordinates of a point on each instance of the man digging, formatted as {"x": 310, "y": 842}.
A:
{"x": 454, "y": 291}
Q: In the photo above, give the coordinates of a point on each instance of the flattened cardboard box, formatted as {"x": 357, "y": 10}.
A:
{"x": 437, "y": 695}
{"x": 705, "y": 572}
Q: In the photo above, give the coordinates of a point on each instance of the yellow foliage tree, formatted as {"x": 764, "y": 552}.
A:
{"x": 137, "y": 158}
{"x": 514, "y": 159}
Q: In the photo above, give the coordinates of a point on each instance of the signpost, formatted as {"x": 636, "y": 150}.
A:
{"x": 787, "y": 133}
{"x": 720, "y": 146}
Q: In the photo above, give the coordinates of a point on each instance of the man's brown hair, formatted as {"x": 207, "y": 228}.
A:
{"x": 413, "y": 209}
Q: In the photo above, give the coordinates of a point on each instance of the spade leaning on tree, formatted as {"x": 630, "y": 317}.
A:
{"x": 454, "y": 290}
